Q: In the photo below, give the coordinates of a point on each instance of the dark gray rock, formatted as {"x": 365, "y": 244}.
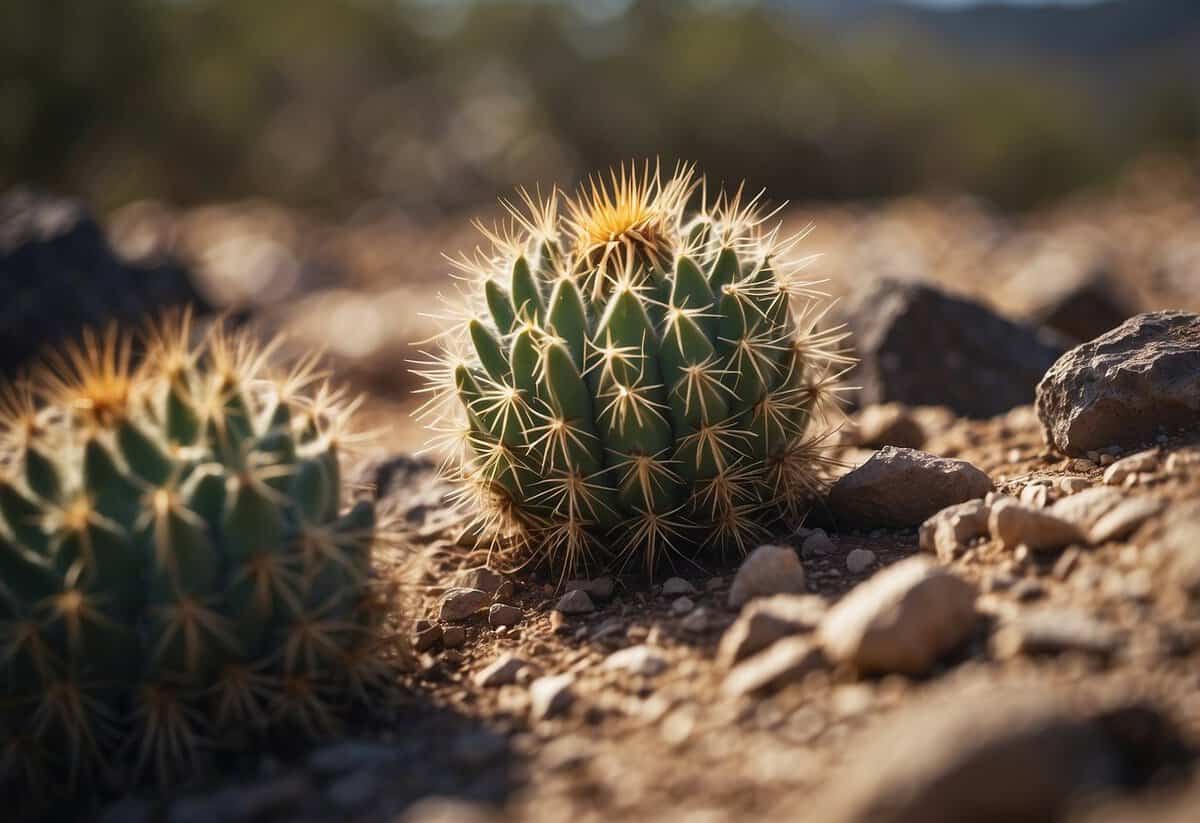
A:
{"x": 59, "y": 274}
{"x": 920, "y": 346}
{"x": 1081, "y": 301}
{"x": 904, "y": 487}
{"x": 1118, "y": 389}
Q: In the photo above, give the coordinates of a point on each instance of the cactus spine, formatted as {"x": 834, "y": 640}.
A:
{"x": 629, "y": 377}
{"x": 177, "y": 560}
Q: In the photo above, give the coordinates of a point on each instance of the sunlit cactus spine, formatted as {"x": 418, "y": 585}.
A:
{"x": 179, "y": 561}
{"x": 634, "y": 375}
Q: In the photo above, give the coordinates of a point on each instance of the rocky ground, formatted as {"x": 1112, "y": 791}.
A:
{"x": 973, "y": 625}
{"x": 993, "y": 615}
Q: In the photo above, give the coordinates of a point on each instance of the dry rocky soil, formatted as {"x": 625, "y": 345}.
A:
{"x": 973, "y": 625}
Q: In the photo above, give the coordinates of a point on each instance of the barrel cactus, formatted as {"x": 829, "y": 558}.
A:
{"x": 627, "y": 376}
{"x": 178, "y": 563}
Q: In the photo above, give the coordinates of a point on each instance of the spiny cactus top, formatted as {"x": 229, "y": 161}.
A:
{"x": 633, "y": 376}
{"x": 175, "y": 558}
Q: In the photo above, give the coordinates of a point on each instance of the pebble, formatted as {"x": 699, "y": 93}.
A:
{"x": 501, "y": 672}
{"x": 459, "y": 603}
{"x": 785, "y": 662}
{"x": 766, "y": 620}
{"x": 600, "y": 588}
{"x": 682, "y": 605}
{"x": 676, "y": 586}
{"x": 575, "y": 601}
{"x": 551, "y": 695}
{"x": 949, "y": 531}
{"x": 859, "y": 560}
{"x": 767, "y": 570}
{"x": 453, "y": 636}
{"x": 1073, "y": 485}
{"x": 696, "y": 622}
{"x": 641, "y": 660}
{"x": 481, "y": 578}
{"x": 1124, "y": 519}
{"x": 426, "y": 635}
{"x": 1015, "y": 524}
{"x": 901, "y": 620}
{"x": 1035, "y": 495}
{"x": 817, "y": 544}
{"x": 1144, "y": 461}
{"x": 502, "y": 614}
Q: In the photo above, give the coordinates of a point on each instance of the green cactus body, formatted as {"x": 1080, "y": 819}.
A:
{"x": 632, "y": 377}
{"x": 177, "y": 560}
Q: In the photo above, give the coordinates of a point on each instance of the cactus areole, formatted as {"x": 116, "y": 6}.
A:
{"x": 177, "y": 561}
{"x": 634, "y": 374}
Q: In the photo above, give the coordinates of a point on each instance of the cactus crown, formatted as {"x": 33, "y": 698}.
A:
{"x": 626, "y": 376}
{"x": 175, "y": 559}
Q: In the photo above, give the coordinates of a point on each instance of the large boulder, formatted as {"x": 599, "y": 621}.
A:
{"x": 1120, "y": 388}
{"x": 59, "y": 274}
{"x": 921, "y": 346}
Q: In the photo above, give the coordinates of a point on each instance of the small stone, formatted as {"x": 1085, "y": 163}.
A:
{"x": 459, "y": 604}
{"x": 575, "y": 601}
{"x": 600, "y": 588}
{"x": 1086, "y": 507}
{"x": 502, "y": 614}
{"x": 901, "y": 620}
{"x": 785, "y": 662}
{"x": 817, "y": 544}
{"x": 949, "y": 531}
{"x": 481, "y": 578}
{"x": 501, "y": 672}
{"x": 903, "y": 487}
{"x": 766, "y": 620}
{"x": 453, "y": 636}
{"x": 682, "y": 605}
{"x": 1073, "y": 485}
{"x": 1123, "y": 520}
{"x": 640, "y": 660}
{"x": 1052, "y": 631}
{"x": 1107, "y": 459}
{"x": 695, "y": 622}
{"x": 859, "y": 560}
{"x": 1015, "y": 524}
{"x": 1034, "y": 495}
{"x": 1145, "y": 461}
{"x": 551, "y": 695}
{"x": 676, "y": 586}
{"x": 426, "y": 635}
{"x": 767, "y": 570}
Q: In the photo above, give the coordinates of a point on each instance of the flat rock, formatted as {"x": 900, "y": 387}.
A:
{"x": 1144, "y": 461}
{"x": 785, "y": 662}
{"x": 921, "y": 346}
{"x": 995, "y": 755}
{"x": 901, "y": 620}
{"x": 1119, "y": 388}
{"x": 769, "y": 569}
{"x": 1016, "y": 524}
{"x": 1053, "y": 631}
{"x": 949, "y": 531}
{"x": 575, "y": 601}
{"x": 766, "y": 620}
{"x": 502, "y": 614}
{"x": 459, "y": 604}
{"x": 902, "y": 487}
{"x": 501, "y": 672}
{"x": 551, "y": 695}
{"x": 641, "y": 660}
{"x": 1124, "y": 519}
{"x": 482, "y": 578}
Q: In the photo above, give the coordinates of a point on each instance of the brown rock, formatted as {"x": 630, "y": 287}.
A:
{"x": 1120, "y": 387}
{"x": 766, "y": 620}
{"x": 459, "y": 604}
{"x": 903, "y": 487}
{"x": 888, "y": 425}
{"x": 1015, "y": 524}
{"x": 767, "y": 570}
{"x": 949, "y": 531}
{"x": 785, "y": 662}
{"x": 901, "y": 620}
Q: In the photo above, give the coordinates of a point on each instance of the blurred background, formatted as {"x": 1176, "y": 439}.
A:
{"x": 308, "y": 160}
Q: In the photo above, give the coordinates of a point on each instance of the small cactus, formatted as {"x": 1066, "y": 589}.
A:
{"x": 631, "y": 377}
{"x": 177, "y": 561}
